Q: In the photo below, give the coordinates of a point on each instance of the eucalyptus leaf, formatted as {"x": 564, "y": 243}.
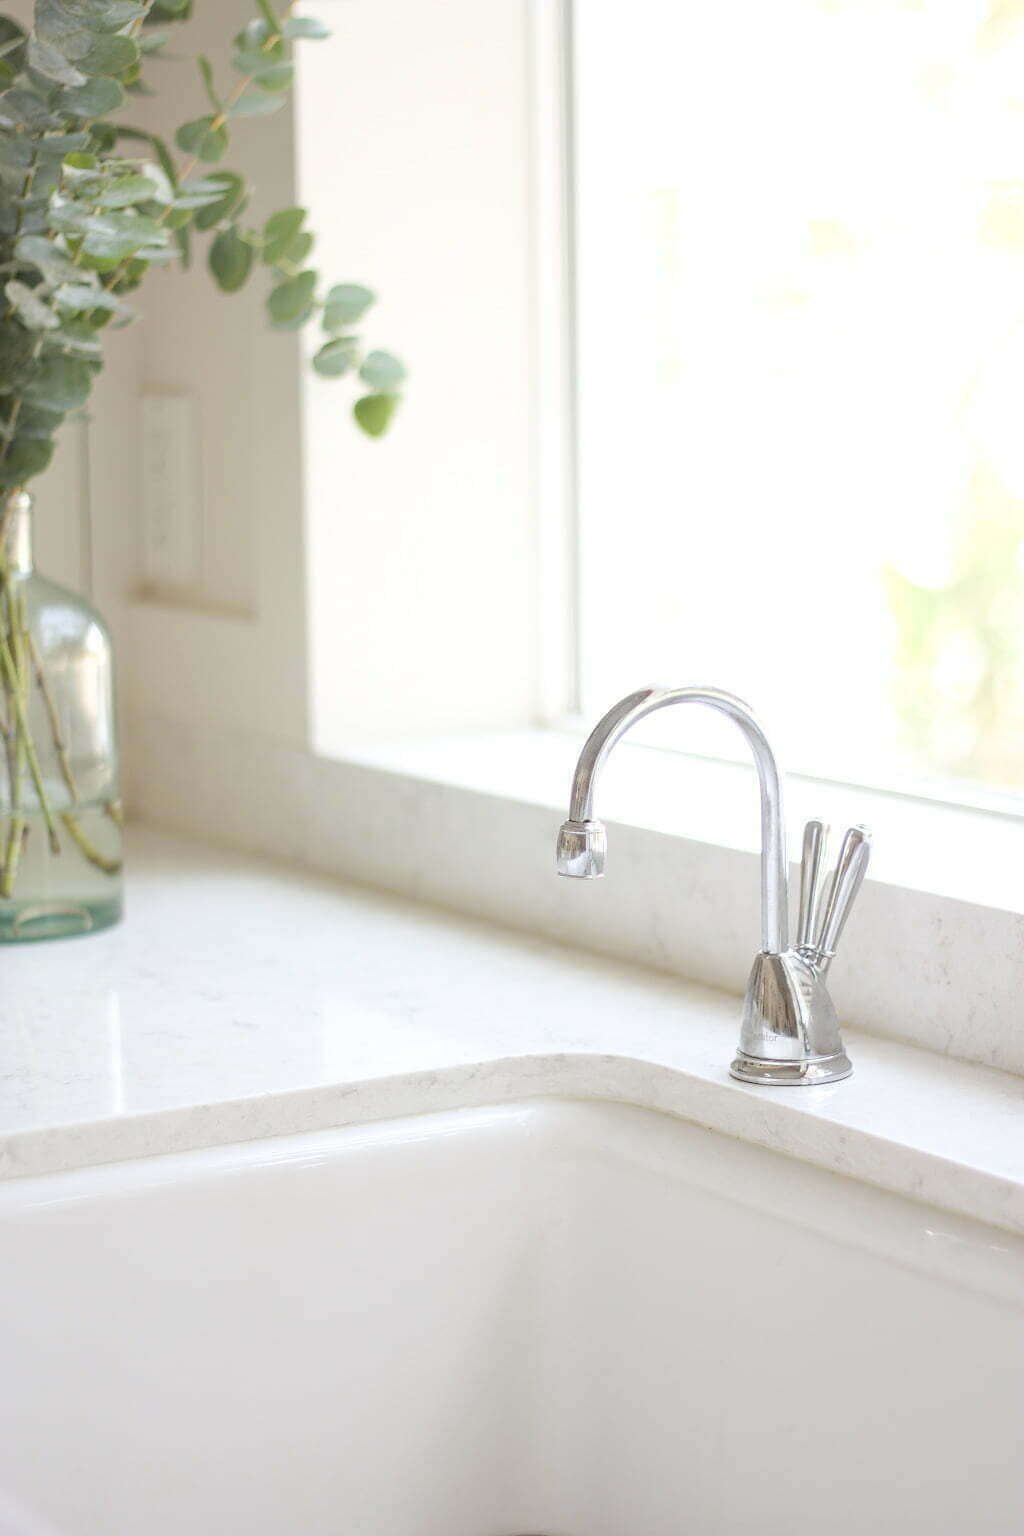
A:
{"x": 336, "y": 357}
{"x": 108, "y": 15}
{"x": 255, "y": 103}
{"x": 22, "y": 105}
{"x": 49, "y": 61}
{"x": 48, "y": 257}
{"x": 96, "y": 98}
{"x": 59, "y": 383}
{"x": 345, "y": 304}
{"x": 279, "y": 231}
{"x": 290, "y": 302}
{"x": 128, "y": 191}
{"x": 374, "y": 413}
{"x": 228, "y": 189}
{"x": 111, "y": 55}
{"x": 382, "y": 371}
{"x": 231, "y": 259}
{"x": 33, "y": 422}
{"x": 204, "y": 137}
{"x": 27, "y": 456}
{"x": 169, "y": 10}
{"x": 82, "y": 297}
{"x": 30, "y": 307}
{"x": 268, "y": 73}
{"x": 305, "y": 26}
{"x": 113, "y": 236}
{"x": 255, "y": 34}
{"x": 257, "y": 50}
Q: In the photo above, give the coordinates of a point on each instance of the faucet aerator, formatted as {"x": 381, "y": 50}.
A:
{"x": 582, "y": 849}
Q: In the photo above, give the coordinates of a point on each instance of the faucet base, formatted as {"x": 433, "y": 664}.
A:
{"x": 795, "y": 1074}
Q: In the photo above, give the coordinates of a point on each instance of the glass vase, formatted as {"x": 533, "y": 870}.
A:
{"x": 60, "y": 806}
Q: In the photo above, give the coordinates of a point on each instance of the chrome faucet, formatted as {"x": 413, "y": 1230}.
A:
{"x": 790, "y": 1032}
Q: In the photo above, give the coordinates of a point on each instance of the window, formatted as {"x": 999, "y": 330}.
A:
{"x": 800, "y": 328}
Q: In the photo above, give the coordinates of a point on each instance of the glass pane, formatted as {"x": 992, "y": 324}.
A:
{"x": 800, "y": 234}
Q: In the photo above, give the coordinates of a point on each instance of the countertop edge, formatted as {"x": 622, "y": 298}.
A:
{"x": 761, "y": 1117}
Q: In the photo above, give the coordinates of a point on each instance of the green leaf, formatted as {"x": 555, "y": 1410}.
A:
{"x": 54, "y": 263}
{"x": 206, "y": 70}
{"x": 161, "y": 183}
{"x": 289, "y": 303}
{"x": 29, "y": 307}
{"x": 336, "y": 357}
{"x": 279, "y": 231}
{"x": 305, "y": 26}
{"x": 111, "y": 55}
{"x": 13, "y": 39}
{"x": 345, "y": 304}
{"x": 126, "y": 191}
{"x": 113, "y": 236}
{"x": 295, "y": 252}
{"x": 35, "y": 423}
{"x": 59, "y": 383}
{"x": 107, "y": 15}
{"x": 77, "y": 335}
{"x": 228, "y": 195}
{"x": 168, "y": 10}
{"x": 382, "y": 371}
{"x": 96, "y": 98}
{"x": 231, "y": 259}
{"x": 23, "y": 105}
{"x": 202, "y": 139}
{"x": 47, "y": 60}
{"x": 374, "y": 413}
{"x": 269, "y": 74}
{"x": 153, "y": 42}
{"x": 81, "y": 297}
{"x": 255, "y": 103}
{"x": 26, "y": 457}
{"x": 7, "y": 74}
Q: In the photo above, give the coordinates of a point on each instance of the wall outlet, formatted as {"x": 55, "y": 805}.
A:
{"x": 172, "y": 512}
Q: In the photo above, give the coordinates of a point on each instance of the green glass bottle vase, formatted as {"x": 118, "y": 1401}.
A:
{"x": 60, "y": 806}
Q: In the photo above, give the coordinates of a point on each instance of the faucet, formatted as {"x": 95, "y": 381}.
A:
{"x": 790, "y": 1031}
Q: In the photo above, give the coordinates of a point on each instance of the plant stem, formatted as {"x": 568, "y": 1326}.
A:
{"x": 87, "y": 847}
{"x": 59, "y": 744}
{"x": 25, "y": 742}
{"x": 218, "y": 120}
{"x": 13, "y": 741}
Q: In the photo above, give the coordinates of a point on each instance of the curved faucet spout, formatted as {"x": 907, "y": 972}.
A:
{"x": 622, "y": 716}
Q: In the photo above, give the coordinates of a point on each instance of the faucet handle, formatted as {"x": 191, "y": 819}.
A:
{"x": 850, "y": 870}
{"x": 815, "y": 838}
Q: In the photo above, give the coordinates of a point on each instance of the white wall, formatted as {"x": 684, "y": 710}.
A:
{"x": 414, "y": 141}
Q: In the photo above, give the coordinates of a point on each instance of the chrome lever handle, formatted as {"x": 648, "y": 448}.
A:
{"x": 815, "y": 838}
{"x": 846, "y": 882}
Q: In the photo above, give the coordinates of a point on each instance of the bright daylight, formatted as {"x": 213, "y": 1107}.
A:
{"x": 449, "y": 1085}
{"x": 815, "y": 243}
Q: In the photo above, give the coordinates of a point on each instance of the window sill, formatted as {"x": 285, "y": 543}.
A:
{"x": 922, "y": 845}
{"x": 933, "y": 955}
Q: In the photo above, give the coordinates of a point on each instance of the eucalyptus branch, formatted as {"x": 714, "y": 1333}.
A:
{"x": 81, "y": 223}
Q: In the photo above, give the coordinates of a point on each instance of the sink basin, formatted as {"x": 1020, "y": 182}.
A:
{"x": 577, "y": 1319}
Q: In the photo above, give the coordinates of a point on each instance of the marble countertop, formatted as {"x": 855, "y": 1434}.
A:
{"x": 243, "y": 999}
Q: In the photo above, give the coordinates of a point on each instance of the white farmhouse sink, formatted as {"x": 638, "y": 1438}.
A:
{"x": 575, "y": 1319}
